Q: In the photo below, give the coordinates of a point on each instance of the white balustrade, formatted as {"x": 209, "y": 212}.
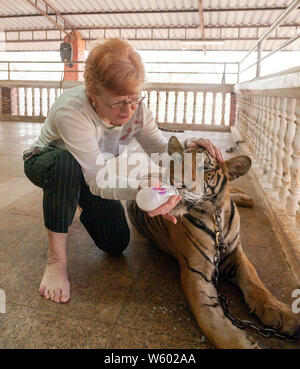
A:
{"x": 191, "y": 106}
{"x": 269, "y": 121}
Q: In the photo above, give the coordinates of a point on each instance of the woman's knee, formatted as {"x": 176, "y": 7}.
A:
{"x": 114, "y": 245}
{"x": 113, "y": 248}
{"x": 66, "y": 165}
{"x": 63, "y": 171}
{"x": 112, "y": 241}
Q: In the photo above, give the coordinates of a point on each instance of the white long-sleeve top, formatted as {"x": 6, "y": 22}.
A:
{"x": 75, "y": 125}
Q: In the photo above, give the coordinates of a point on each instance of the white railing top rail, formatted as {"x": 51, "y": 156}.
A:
{"x": 258, "y": 45}
{"x": 15, "y": 66}
{"x": 285, "y": 83}
{"x": 276, "y": 24}
{"x": 280, "y": 47}
{"x": 212, "y": 87}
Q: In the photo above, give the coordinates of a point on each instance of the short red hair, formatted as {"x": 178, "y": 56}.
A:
{"x": 115, "y": 66}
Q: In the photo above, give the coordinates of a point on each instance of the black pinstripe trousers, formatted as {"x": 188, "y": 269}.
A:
{"x": 60, "y": 176}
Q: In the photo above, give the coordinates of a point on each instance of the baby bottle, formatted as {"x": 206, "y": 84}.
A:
{"x": 150, "y": 198}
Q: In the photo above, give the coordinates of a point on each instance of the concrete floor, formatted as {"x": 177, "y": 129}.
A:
{"x": 131, "y": 301}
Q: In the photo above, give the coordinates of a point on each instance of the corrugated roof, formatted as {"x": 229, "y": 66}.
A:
{"x": 155, "y": 24}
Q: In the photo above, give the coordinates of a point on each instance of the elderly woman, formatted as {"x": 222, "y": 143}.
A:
{"x": 84, "y": 122}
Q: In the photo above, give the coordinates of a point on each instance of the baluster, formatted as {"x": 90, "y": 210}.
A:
{"x": 184, "y": 106}
{"x": 223, "y": 109}
{"x": 213, "y": 113}
{"x": 251, "y": 128}
{"x": 241, "y": 112}
{"x": 256, "y": 126}
{"x": 268, "y": 134}
{"x": 249, "y": 119}
{"x": 48, "y": 100}
{"x": 18, "y": 100}
{"x": 292, "y": 202}
{"x": 194, "y": 107}
{"x": 260, "y": 133}
{"x": 274, "y": 139}
{"x": 264, "y": 123}
{"x": 26, "y": 101}
{"x": 175, "y": 107}
{"x": 203, "y": 108}
{"x": 33, "y": 101}
{"x": 148, "y": 100}
{"x": 280, "y": 145}
{"x": 157, "y": 105}
{"x": 41, "y": 101}
{"x": 288, "y": 150}
{"x": 167, "y": 106}
{"x": 245, "y": 118}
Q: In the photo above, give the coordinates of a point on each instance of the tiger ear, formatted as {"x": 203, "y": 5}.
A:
{"x": 174, "y": 146}
{"x": 238, "y": 166}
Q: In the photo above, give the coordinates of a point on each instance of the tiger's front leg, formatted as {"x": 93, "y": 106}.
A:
{"x": 202, "y": 297}
{"x": 261, "y": 302}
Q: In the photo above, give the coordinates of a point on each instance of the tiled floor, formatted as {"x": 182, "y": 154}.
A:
{"x": 131, "y": 301}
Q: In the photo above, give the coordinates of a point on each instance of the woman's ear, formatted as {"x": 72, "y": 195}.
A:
{"x": 174, "y": 146}
{"x": 238, "y": 166}
{"x": 92, "y": 99}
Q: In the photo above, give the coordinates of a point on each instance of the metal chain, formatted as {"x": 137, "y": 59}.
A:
{"x": 242, "y": 324}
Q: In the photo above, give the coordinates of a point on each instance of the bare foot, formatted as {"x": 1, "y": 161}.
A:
{"x": 55, "y": 284}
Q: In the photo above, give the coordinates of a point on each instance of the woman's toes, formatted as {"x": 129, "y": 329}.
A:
{"x": 65, "y": 297}
{"x": 57, "y": 295}
{"x": 41, "y": 290}
{"x": 46, "y": 294}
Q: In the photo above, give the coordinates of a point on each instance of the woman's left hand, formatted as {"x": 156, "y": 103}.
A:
{"x": 212, "y": 149}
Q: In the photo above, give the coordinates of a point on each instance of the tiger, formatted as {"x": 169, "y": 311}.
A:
{"x": 192, "y": 242}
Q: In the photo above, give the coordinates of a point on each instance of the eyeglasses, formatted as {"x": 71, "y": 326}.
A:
{"x": 119, "y": 105}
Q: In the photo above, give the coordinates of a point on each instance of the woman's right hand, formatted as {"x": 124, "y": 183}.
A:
{"x": 165, "y": 208}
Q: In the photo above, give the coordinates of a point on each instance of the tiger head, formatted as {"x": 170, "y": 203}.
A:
{"x": 207, "y": 182}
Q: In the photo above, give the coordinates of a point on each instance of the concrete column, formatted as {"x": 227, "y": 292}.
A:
{"x": 8, "y": 101}
{"x": 78, "y": 44}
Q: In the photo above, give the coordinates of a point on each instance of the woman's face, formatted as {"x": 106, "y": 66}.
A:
{"x": 116, "y": 110}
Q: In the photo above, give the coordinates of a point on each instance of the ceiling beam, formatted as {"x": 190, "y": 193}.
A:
{"x": 193, "y": 26}
{"x": 164, "y": 39}
{"x": 112, "y": 12}
{"x": 200, "y": 6}
{"x": 66, "y": 22}
{"x": 43, "y": 5}
{"x": 45, "y": 14}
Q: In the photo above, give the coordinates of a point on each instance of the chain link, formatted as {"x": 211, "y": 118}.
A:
{"x": 221, "y": 248}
